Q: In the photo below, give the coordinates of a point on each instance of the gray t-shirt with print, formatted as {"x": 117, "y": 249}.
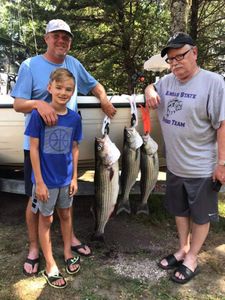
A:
{"x": 189, "y": 114}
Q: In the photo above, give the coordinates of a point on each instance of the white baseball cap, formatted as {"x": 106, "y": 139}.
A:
{"x": 58, "y": 24}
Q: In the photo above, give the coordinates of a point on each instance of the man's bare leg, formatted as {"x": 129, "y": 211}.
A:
{"x": 32, "y": 227}
{"x": 184, "y": 232}
{"x": 199, "y": 235}
{"x": 183, "y": 227}
{"x": 74, "y": 240}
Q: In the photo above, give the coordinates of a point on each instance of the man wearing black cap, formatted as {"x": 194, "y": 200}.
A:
{"x": 190, "y": 103}
{"x": 30, "y": 92}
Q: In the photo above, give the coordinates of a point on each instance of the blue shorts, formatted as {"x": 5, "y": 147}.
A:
{"x": 191, "y": 197}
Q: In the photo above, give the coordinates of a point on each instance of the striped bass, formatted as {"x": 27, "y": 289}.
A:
{"x": 130, "y": 166}
{"x": 106, "y": 181}
{"x": 149, "y": 171}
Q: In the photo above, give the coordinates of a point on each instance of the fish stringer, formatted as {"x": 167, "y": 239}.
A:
{"x": 105, "y": 123}
{"x": 133, "y": 111}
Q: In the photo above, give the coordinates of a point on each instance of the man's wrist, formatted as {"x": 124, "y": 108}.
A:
{"x": 221, "y": 162}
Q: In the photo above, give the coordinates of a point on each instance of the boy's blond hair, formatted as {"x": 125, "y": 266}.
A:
{"x": 60, "y": 75}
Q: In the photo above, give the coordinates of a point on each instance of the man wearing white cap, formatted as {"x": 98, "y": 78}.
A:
{"x": 30, "y": 92}
{"x": 190, "y": 103}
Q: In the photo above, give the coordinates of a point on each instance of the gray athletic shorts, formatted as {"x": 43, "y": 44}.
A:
{"x": 58, "y": 197}
{"x": 191, "y": 197}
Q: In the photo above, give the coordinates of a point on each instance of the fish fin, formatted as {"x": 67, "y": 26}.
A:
{"x": 123, "y": 207}
{"x": 111, "y": 173}
{"x": 143, "y": 209}
{"x": 137, "y": 154}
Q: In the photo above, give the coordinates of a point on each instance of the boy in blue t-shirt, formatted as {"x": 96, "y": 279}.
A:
{"x": 54, "y": 156}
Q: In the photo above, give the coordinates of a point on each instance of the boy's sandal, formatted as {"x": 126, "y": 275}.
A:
{"x": 53, "y": 278}
{"x": 71, "y": 262}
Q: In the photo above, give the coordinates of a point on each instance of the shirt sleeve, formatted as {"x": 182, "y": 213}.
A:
{"x": 86, "y": 82}
{"x": 23, "y": 86}
{"x": 216, "y": 102}
{"x": 34, "y": 126}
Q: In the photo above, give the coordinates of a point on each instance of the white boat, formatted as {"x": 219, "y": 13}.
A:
{"x": 12, "y": 128}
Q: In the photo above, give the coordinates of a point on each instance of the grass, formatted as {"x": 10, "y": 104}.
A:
{"x": 98, "y": 280}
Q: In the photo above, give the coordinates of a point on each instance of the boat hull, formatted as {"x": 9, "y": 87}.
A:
{"x": 12, "y": 129}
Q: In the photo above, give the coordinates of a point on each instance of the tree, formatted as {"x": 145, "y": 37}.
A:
{"x": 207, "y": 23}
{"x": 116, "y": 37}
{"x": 179, "y": 15}
{"x": 113, "y": 38}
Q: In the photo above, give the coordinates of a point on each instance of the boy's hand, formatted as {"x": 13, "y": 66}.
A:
{"x": 42, "y": 192}
{"x": 73, "y": 187}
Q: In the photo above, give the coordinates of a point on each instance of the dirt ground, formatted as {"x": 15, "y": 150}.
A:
{"x": 124, "y": 268}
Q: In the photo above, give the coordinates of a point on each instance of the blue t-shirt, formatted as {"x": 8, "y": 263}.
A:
{"x": 55, "y": 146}
{"x": 33, "y": 78}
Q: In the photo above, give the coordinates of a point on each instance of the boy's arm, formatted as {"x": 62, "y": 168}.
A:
{"x": 73, "y": 184}
{"x": 41, "y": 189}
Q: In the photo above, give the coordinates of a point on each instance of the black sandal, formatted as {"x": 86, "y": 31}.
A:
{"x": 32, "y": 262}
{"x": 186, "y": 272}
{"x": 81, "y": 246}
{"x": 172, "y": 262}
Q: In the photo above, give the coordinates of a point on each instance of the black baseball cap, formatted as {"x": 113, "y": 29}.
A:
{"x": 178, "y": 40}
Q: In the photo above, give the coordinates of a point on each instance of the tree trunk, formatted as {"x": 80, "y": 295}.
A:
{"x": 194, "y": 19}
{"x": 179, "y": 15}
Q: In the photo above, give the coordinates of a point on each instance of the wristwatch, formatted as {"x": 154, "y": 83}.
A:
{"x": 221, "y": 163}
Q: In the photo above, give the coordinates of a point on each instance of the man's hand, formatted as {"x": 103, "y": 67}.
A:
{"x": 219, "y": 174}
{"x": 47, "y": 112}
{"x": 108, "y": 109}
{"x": 152, "y": 97}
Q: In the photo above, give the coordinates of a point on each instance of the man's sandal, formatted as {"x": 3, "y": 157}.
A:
{"x": 186, "y": 272}
{"x": 53, "y": 278}
{"x": 172, "y": 262}
{"x": 32, "y": 262}
{"x": 71, "y": 262}
{"x": 81, "y": 246}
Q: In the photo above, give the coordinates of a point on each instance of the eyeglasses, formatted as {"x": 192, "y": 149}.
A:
{"x": 178, "y": 57}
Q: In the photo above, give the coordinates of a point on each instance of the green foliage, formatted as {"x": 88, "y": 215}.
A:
{"x": 113, "y": 39}
{"x": 210, "y": 35}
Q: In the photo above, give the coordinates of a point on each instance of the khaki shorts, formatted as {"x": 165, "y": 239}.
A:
{"x": 191, "y": 197}
{"x": 58, "y": 197}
